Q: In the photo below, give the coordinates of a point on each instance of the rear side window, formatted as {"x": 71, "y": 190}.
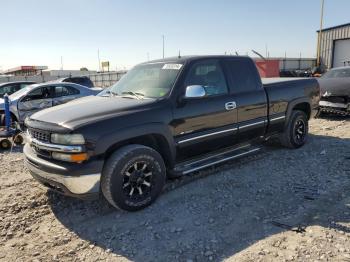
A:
{"x": 243, "y": 75}
{"x": 65, "y": 91}
{"x": 84, "y": 81}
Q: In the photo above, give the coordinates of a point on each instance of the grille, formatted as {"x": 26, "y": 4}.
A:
{"x": 39, "y": 135}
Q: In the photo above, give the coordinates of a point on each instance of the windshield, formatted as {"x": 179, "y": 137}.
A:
{"x": 335, "y": 73}
{"x": 147, "y": 80}
{"x": 20, "y": 92}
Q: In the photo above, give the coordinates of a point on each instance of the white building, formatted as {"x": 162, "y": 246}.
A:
{"x": 335, "y": 46}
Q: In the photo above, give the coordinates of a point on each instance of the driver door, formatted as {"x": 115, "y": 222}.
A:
{"x": 208, "y": 123}
{"x": 36, "y": 100}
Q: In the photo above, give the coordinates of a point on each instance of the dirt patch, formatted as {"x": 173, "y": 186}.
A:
{"x": 281, "y": 205}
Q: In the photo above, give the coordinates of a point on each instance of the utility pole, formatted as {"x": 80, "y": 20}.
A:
{"x": 319, "y": 40}
{"x": 163, "y": 44}
{"x": 99, "y": 61}
{"x": 61, "y": 62}
{"x": 147, "y": 56}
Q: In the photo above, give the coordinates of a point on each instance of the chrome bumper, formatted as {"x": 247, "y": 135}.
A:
{"x": 79, "y": 185}
{"x": 337, "y": 105}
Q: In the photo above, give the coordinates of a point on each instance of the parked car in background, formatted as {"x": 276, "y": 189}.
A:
{"x": 80, "y": 80}
{"x": 335, "y": 91}
{"x": 164, "y": 118}
{"x": 12, "y": 87}
{"x": 34, "y": 98}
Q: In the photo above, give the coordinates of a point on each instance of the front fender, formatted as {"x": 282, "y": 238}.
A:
{"x": 112, "y": 138}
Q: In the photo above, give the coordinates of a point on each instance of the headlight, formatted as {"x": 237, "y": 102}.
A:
{"x": 69, "y": 139}
{"x": 74, "y": 158}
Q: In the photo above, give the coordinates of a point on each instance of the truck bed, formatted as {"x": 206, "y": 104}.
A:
{"x": 273, "y": 80}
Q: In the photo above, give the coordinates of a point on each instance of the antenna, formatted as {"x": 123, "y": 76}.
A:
{"x": 258, "y": 54}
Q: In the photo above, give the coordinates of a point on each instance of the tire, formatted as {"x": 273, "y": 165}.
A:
{"x": 133, "y": 177}
{"x": 296, "y": 132}
{"x": 5, "y": 144}
{"x": 18, "y": 139}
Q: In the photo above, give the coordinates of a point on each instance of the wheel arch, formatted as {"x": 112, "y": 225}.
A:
{"x": 302, "y": 104}
{"x": 154, "y": 136}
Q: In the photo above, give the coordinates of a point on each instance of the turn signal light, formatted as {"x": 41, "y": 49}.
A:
{"x": 74, "y": 158}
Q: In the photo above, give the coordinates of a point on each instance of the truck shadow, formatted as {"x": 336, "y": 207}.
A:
{"x": 229, "y": 210}
{"x": 333, "y": 117}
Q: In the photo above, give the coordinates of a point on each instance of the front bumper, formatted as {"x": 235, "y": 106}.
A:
{"x": 342, "y": 106}
{"x": 77, "y": 180}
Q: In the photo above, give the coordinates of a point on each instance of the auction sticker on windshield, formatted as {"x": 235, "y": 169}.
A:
{"x": 172, "y": 66}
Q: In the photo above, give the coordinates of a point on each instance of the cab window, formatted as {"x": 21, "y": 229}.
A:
{"x": 61, "y": 91}
{"x": 209, "y": 74}
{"x": 39, "y": 94}
{"x": 244, "y": 76}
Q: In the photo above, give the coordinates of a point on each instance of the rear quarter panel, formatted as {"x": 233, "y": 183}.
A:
{"x": 285, "y": 95}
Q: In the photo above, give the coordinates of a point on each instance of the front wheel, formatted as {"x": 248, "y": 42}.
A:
{"x": 133, "y": 177}
{"x": 296, "y": 131}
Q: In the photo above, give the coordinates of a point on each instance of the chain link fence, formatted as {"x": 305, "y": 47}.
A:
{"x": 106, "y": 79}
{"x": 99, "y": 79}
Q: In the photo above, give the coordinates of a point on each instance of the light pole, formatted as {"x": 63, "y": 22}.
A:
{"x": 99, "y": 61}
{"x": 163, "y": 45}
{"x": 319, "y": 40}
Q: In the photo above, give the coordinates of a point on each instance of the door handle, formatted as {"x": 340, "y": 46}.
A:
{"x": 230, "y": 105}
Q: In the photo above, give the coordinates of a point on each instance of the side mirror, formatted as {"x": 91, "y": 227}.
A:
{"x": 195, "y": 91}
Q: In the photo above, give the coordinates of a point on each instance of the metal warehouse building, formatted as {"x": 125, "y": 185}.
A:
{"x": 335, "y": 46}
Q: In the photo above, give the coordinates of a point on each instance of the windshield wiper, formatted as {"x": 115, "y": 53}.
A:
{"x": 135, "y": 94}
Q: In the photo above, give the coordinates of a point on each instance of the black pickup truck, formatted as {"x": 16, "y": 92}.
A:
{"x": 163, "y": 119}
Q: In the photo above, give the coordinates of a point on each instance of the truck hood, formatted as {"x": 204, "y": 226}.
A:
{"x": 89, "y": 110}
{"x": 335, "y": 86}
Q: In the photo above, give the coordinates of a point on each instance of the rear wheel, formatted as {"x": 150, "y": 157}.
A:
{"x": 296, "y": 131}
{"x": 133, "y": 177}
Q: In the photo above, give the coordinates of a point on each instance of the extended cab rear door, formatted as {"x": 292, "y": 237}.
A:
{"x": 250, "y": 97}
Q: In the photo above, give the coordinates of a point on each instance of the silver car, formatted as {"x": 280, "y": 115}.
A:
{"x": 34, "y": 98}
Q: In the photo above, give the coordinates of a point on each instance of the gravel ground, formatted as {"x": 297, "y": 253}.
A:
{"x": 282, "y": 205}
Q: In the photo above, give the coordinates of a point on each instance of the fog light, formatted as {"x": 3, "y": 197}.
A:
{"x": 74, "y": 158}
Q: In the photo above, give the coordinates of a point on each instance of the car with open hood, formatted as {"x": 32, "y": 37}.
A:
{"x": 335, "y": 91}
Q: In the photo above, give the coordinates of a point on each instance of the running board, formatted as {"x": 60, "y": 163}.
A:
{"x": 197, "y": 164}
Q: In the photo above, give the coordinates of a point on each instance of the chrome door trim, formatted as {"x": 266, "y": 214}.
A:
{"x": 206, "y": 135}
{"x": 253, "y": 124}
{"x": 277, "y": 118}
